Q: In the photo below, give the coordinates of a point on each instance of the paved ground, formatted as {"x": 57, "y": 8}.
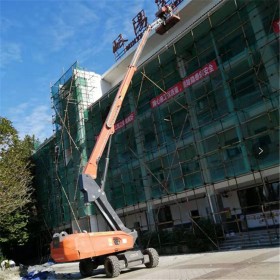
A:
{"x": 255, "y": 264}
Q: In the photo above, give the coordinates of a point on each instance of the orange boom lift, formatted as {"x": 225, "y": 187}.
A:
{"x": 113, "y": 249}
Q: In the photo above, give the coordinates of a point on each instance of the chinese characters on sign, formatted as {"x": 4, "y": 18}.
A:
{"x": 174, "y": 4}
{"x": 276, "y": 26}
{"x": 140, "y": 23}
{"x": 263, "y": 219}
{"x": 161, "y": 3}
{"x": 130, "y": 118}
{"x": 163, "y": 97}
{"x": 200, "y": 74}
{"x": 187, "y": 82}
{"x": 118, "y": 46}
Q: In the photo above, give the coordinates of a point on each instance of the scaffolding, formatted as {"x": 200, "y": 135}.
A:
{"x": 187, "y": 139}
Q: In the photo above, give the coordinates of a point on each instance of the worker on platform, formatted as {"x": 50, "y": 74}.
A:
{"x": 165, "y": 12}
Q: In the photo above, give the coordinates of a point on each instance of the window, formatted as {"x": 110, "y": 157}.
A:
{"x": 274, "y": 190}
{"x": 233, "y": 152}
{"x": 264, "y": 140}
{"x": 215, "y": 165}
{"x": 190, "y": 167}
{"x": 211, "y": 144}
{"x": 180, "y": 122}
{"x": 150, "y": 139}
{"x": 244, "y": 85}
{"x": 267, "y": 195}
{"x": 165, "y": 217}
{"x": 158, "y": 175}
{"x": 195, "y": 215}
{"x": 249, "y": 200}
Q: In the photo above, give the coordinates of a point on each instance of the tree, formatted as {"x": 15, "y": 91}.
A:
{"x": 15, "y": 184}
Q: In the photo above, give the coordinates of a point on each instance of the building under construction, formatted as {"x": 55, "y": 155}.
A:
{"x": 197, "y": 136}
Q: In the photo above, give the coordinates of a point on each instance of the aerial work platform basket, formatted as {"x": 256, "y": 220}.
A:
{"x": 169, "y": 19}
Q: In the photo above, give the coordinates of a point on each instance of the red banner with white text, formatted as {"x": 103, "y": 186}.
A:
{"x": 163, "y": 97}
{"x": 198, "y": 75}
{"x": 130, "y": 118}
{"x": 276, "y": 26}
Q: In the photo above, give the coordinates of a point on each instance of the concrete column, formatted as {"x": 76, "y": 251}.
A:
{"x": 144, "y": 173}
{"x": 230, "y": 104}
{"x": 197, "y": 137}
{"x": 263, "y": 39}
{"x": 195, "y": 125}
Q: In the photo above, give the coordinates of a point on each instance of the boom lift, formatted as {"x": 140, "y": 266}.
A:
{"x": 113, "y": 248}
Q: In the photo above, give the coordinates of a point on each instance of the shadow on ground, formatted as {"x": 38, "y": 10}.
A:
{"x": 97, "y": 274}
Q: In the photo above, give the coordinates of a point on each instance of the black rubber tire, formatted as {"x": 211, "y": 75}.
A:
{"x": 86, "y": 267}
{"x": 153, "y": 256}
{"x": 112, "y": 267}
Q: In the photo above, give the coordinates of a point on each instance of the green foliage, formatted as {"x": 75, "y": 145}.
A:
{"x": 15, "y": 183}
{"x": 13, "y": 228}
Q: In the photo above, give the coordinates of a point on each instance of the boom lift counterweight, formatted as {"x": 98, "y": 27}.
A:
{"x": 113, "y": 248}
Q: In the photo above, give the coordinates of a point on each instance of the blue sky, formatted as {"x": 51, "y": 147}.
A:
{"x": 41, "y": 38}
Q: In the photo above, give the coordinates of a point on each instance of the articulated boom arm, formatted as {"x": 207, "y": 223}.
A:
{"x": 92, "y": 191}
{"x": 113, "y": 248}
{"x": 108, "y": 127}
{"x": 162, "y": 24}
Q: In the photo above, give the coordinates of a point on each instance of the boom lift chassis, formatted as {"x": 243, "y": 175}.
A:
{"x": 113, "y": 249}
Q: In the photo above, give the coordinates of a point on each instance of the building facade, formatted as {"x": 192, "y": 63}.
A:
{"x": 197, "y": 136}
